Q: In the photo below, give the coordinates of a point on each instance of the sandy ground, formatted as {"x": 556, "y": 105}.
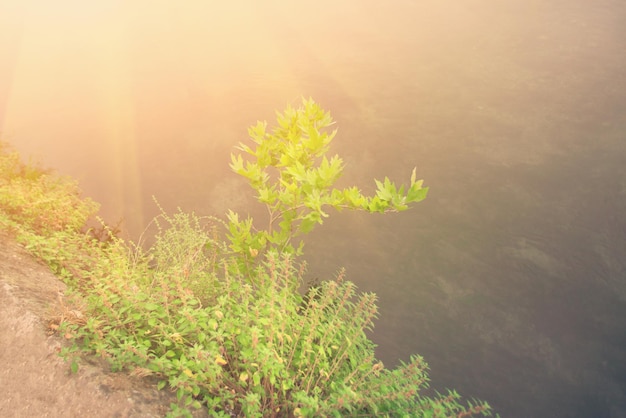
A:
{"x": 34, "y": 380}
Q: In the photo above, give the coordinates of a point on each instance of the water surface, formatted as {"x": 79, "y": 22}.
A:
{"x": 510, "y": 278}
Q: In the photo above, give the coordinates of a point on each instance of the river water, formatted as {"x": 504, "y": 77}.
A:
{"x": 510, "y": 278}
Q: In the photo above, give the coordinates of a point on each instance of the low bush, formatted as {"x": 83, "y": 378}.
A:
{"x": 212, "y": 310}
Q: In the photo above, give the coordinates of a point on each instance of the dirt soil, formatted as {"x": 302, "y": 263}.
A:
{"x": 34, "y": 380}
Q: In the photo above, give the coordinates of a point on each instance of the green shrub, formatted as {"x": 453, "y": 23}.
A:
{"x": 292, "y": 176}
{"x": 212, "y": 308}
{"x": 44, "y": 203}
{"x": 256, "y": 350}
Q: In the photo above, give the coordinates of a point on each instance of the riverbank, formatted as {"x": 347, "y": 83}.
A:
{"x": 34, "y": 380}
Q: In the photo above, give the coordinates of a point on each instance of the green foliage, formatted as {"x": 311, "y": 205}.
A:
{"x": 292, "y": 176}
{"x": 51, "y": 203}
{"x": 262, "y": 350}
{"x": 188, "y": 247}
{"x": 47, "y": 214}
{"x": 212, "y": 308}
{"x": 46, "y": 207}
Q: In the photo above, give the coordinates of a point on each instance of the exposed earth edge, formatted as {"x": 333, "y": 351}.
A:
{"x": 34, "y": 380}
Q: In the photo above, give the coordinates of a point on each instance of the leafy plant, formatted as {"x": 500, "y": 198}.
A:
{"x": 292, "y": 176}
{"x": 217, "y": 316}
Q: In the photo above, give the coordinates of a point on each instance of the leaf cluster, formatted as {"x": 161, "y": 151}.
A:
{"x": 291, "y": 174}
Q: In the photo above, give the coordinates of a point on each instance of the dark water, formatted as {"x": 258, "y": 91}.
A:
{"x": 510, "y": 278}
